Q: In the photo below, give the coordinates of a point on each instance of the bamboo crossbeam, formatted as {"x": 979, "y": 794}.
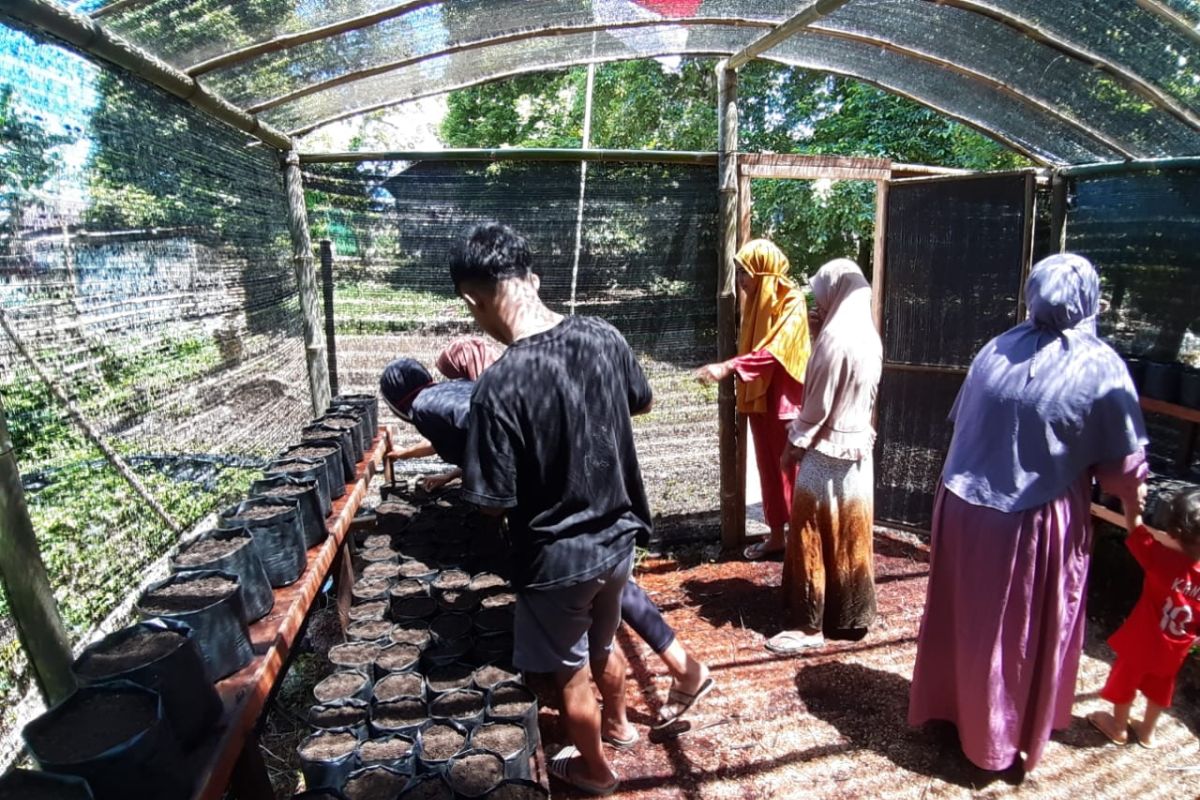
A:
{"x": 1138, "y": 165}
{"x": 784, "y": 31}
{"x": 518, "y": 154}
{"x": 1173, "y": 17}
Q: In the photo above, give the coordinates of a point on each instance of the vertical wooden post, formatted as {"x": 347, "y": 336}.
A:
{"x": 306, "y": 284}
{"x": 733, "y": 494}
{"x": 1058, "y": 211}
{"x": 1030, "y": 220}
{"x": 39, "y": 627}
{"x": 879, "y": 267}
{"x": 327, "y": 291}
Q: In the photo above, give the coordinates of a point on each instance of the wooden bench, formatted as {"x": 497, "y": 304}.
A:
{"x": 231, "y": 758}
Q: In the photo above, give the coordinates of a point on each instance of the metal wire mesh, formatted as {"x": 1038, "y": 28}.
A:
{"x": 145, "y": 265}
{"x": 646, "y": 263}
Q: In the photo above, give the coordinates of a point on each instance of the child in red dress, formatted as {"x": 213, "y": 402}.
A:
{"x": 1162, "y": 627}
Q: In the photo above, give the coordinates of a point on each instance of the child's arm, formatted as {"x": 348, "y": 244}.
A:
{"x": 422, "y": 449}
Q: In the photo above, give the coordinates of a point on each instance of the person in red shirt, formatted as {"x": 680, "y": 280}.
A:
{"x": 1153, "y": 642}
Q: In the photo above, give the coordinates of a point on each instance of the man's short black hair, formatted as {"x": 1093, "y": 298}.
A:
{"x": 489, "y": 253}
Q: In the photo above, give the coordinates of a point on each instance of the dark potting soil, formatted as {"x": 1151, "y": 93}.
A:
{"x": 208, "y": 550}
{"x": 511, "y": 701}
{"x": 371, "y": 588}
{"x": 92, "y": 724}
{"x": 414, "y": 568}
{"x": 285, "y": 490}
{"x": 379, "y": 554}
{"x": 328, "y": 746}
{"x": 433, "y": 788}
{"x": 375, "y": 784}
{"x": 374, "y": 610}
{"x": 501, "y": 600}
{"x": 449, "y": 650}
{"x": 474, "y": 774}
{"x": 408, "y": 587}
{"x": 413, "y": 632}
{"x": 292, "y": 466}
{"x": 369, "y": 630}
{"x": 21, "y": 787}
{"x": 414, "y": 608}
{"x": 338, "y": 685}
{"x": 187, "y": 595}
{"x": 265, "y": 511}
{"x": 317, "y": 451}
{"x": 457, "y": 599}
{"x": 450, "y": 626}
{"x": 340, "y": 716}
{"x": 494, "y": 619}
{"x": 400, "y": 714}
{"x": 439, "y": 742}
{"x": 494, "y": 648}
{"x": 388, "y": 749}
{"x": 399, "y": 684}
{"x": 377, "y": 570}
{"x": 354, "y": 654}
{"x": 376, "y": 539}
{"x": 460, "y": 704}
{"x": 486, "y": 581}
{"x": 341, "y": 423}
{"x": 452, "y": 579}
{"x": 501, "y": 737}
{"x": 138, "y": 649}
{"x": 491, "y": 674}
{"x": 519, "y": 791}
{"x": 448, "y": 677}
{"x": 396, "y": 657}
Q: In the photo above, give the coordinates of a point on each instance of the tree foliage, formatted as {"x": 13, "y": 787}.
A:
{"x": 642, "y": 105}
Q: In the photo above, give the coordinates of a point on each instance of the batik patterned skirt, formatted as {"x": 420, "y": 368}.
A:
{"x": 828, "y": 568}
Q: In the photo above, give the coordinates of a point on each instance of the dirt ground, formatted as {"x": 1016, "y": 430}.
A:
{"x": 832, "y": 724}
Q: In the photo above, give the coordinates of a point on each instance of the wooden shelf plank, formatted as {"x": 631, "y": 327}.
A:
{"x": 1108, "y": 515}
{"x": 245, "y": 693}
{"x": 1170, "y": 409}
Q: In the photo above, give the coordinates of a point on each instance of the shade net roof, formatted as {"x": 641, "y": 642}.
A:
{"x": 1071, "y": 81}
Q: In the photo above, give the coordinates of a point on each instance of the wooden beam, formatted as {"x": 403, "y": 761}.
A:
{"x": 733, "y": 523}
{"x": 913, "y": 170}
{"x": 117, "y": 6}
{"x": 1140, "y": 165}
{"x": 306, "y": 283}
{"x": 936, "y": 369}
{"x": 1030, "y": 212}
{"x": 519, "y": 154}
{"x": 1173, "y": 17}
{"x": 326, "y": 248}
{"x": 812, "y": 173}
{"x": 813, "y": 10}
{"x": 879, "y": 268}
{"x": 30, "y": 599}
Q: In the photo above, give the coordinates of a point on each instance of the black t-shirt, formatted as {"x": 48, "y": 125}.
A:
{"x": 440, "y": 414}
{"x": 551, "y": 439}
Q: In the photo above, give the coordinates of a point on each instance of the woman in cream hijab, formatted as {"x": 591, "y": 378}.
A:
{"x": 773, "y": 353}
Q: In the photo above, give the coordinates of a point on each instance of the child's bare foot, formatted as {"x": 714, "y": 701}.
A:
{"x": 1144, "y": 734}
{"x": 1104, "y": 722}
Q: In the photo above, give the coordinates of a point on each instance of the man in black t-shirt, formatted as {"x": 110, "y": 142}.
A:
{"x": 550, "y": 443}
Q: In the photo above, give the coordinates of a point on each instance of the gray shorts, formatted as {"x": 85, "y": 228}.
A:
{"x": 560, "y": 630}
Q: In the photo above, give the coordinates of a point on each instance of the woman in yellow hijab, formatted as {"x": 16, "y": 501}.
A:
{"x": 772, "y": 355}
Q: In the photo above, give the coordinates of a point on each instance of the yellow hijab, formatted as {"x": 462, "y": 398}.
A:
{"x": 773, "y": 318}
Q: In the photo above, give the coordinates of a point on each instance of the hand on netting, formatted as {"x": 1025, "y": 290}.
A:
{"x": 714, "y": 373}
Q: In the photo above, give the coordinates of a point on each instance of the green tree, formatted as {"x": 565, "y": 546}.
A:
{"x": 27, "y": 161}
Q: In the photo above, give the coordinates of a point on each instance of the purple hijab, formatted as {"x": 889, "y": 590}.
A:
{"x": 1044, "y": 401}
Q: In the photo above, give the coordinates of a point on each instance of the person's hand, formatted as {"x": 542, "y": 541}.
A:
{"x": 1133, "y": 511}
{"x": 431, "y": 483}
{"x": 791, "y": 455}
{"x": 714, "y": 373}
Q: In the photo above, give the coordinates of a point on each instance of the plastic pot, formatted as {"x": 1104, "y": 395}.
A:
{"x": 518, "y": 789}
{"x": 488, "y": 676}
{"x": 161, "y": 655}
{"x": 464, "y": 706}
{"x": 344, "y": 715}
{"x": 329, "y": 454}
{"x": 26, "y": 784}
{"x": 327, "y": 758}
{"x": 370, "y": 590}
{"x": 415, "y": 632}
{"x": 399, "y": 684}
{"x": 218, "y": 622}
{"x": 376, "y": 781}
{"x": 446, "y": 652}
{"x": 278, "y": 539}
{"x": 349, "y": 424}
{"x": 495, "y": 620}
{"x": 309, "y": 469}
{"x": 364, "y": 431}
{"x": 349, "y": 684}
{"x": 340, "y": 463}
{"x": 446, "y": 627}
{"x": 116, "y": 737}
{"x": 474, "y": 773}
{"x": 394, "y": 752}
{"x": 507, "y": 740}
{"x": 428, "y": 787}
{"x": 369, "y": 630}
{"x": 1162, "y": 381}
{"x": 242, "y": 561}
{"x": 395, "y": 658}
{"x": 457, "y": 601}
{"x": 344, "y": 441}
{"x": 404, "y": 716}
{"x": 392, "y": 517}
{"x": 409, "y": 609}
{"x": 365, "y": 612}
{"x": 449, "y": 678}
{"x": 438, "y": 741}
{"x": 367, "y": 402}
{"x": 514, "y": 702}
{"x": 1189, "y": 388}
{"x": 493, "y": 649}
{"x": 306, "y": 495}
{"x": 355, "y": 655}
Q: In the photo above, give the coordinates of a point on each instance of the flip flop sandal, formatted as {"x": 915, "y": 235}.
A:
{"x": 789, "y": 644}
{"x": 622, "y": 744}
{"x": 560, "y": 767}
{"x": 684, "y": 702}
{"x": 1092, "y": 721}
{"x": 759, "y": 552}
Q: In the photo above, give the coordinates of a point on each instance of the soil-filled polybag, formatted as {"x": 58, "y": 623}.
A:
{"x": 438, "y": 741}
{"x": 507, "y": 740}
{"x": 309, "y": 469}
{"x": 27, "y": 784}
{"x": 161, "y": 655}
{"x": 347, "y": 684}
{"x": 514, "y": 702}
{"x": 376, "y": 781}
{"x": 349, "y": 424}
{"x": 474, "y": 773}
{"x": 327, "y": 758}
{"x": 231, "y": 550}
{"x": 329, "y": 454}
{"x": 344, "y": 439}
{"x": 403, "y": 715}
{"x": 306, "y": 495}
{"x": 395, "y": 752}
{"x": 518, "y": 789}
{"x": 348, "y": 715}
{"x": 367, "y": 402}
{"x": 210, "y": 603}
{"x": 117, "y": 738}
{"x": 428, "y": 787}
{"x": 464, "y": 706}
{"x": 278, "y": 536}
{"x": 365, "y": 431}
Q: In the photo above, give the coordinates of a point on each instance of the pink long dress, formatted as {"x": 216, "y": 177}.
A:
{"x": 1004, "y": 618}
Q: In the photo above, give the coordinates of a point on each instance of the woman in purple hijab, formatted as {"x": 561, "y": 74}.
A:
{"x": 1046, "y": 407}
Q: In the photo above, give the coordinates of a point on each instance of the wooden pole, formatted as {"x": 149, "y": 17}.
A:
{"x": 30, "y": 598}
{"x": 1059, "y": 184}
{"x": 879, "y": 267}
{"x": 733, "y": 524}
{"x": 330, "y": 320}
{"x": 518, "y": 154}
{"x": 306, "y": 284}
{"x": 812, "y": 11}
